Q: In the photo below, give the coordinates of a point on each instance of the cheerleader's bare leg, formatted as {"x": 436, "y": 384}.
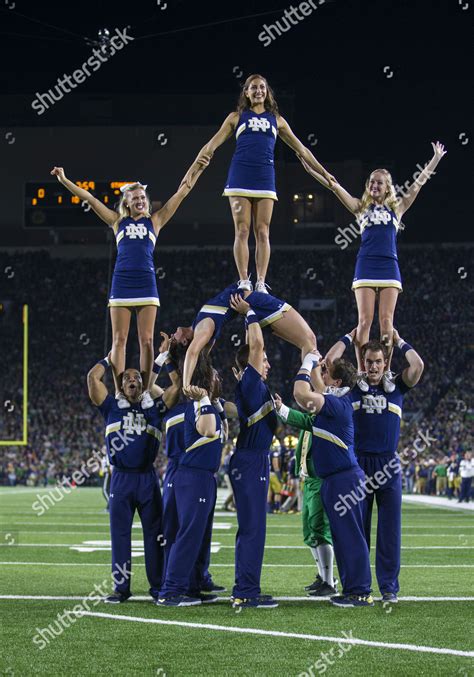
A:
{"x": 365, "y": 299}
{"x": 242, "y": 214}
{"x": 146, "y": 316}
{"x": 388, "y": 298}
{"x": 202, "y": 336}
{"x": 292, "y": 327}
{"x": 120, "y": 319}
{"x": 262, "y": 211}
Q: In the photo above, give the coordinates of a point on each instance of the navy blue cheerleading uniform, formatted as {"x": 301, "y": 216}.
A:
{"x": 267, "y": 308}
{"x": 175, "y": 451}
{"x": 252, "y": 169}
{"x": 219, "y": 310}
{"x": 134, "y": 279}
{"x": 377, "y": 260}
{"x": 195, "y": 491}
{"x": 174, "y": 444}
{"x": 249, "y": 476}
{"x": 377, "y": 418}
{"x": 132, "y": 438}
{"x": 334, "y": 461}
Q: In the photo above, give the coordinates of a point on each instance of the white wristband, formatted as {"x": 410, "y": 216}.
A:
{"x": 217, "y": 404}
{"x": 205, "y": 402}
{"x": 250, "y": 313}
{"x": 161, "y": 359}
{"x": 400, "y": 343}
{"x": 348, "y": 336}
{"x": 283, "y": 412}
{"x": 310, "y": 361}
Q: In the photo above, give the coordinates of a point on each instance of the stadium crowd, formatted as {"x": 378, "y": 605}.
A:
{"x": 67, "y": 306}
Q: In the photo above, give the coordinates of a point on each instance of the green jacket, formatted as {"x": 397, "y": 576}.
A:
{"x": 304, "y": 422}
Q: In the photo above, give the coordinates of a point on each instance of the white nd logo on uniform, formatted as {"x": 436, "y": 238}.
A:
{"x": 134, "y": 230}
{"x": 134, "y": 423}
{"x": 259, "y": 124}
{"x": 378, "y": 216}
{"x": 374, "y": 403}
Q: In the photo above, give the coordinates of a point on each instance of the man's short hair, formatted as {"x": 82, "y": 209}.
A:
{"x": 344, "y": 370}
{"x": 374, "y": 346}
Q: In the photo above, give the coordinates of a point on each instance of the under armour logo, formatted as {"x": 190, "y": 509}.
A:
{"x": 170, "y": 484}
{"x": 111, "y": 496}
{"x": 263, "y": 479}
{"x": 202, "y": 500}
{"x": 134, "y": 230}
{"x": 372, "y": 403}
{"x": 259, "y": 124}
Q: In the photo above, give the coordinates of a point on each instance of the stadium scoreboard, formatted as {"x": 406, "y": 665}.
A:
{"x": 51, "y": 205}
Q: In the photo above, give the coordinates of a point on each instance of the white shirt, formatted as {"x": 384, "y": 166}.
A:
{"x": 466, "y": 468}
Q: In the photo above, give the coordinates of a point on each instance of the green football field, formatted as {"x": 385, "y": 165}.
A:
{"x": 48, "y": 564}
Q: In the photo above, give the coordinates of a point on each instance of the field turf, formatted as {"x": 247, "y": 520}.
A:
{"x": 422, "y": 635}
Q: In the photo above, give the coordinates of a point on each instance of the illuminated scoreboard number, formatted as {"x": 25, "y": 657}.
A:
{"x": 51, "y": 205}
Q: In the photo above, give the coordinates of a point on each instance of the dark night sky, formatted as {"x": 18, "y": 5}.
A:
{"x": 328, "y": 72}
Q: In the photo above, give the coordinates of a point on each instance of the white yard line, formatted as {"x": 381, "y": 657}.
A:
{"x": 437, "y": 502}
{"x": 232, "y": 547}
{"x": 228, "y": 566}
{"x": 294, "y": 635}
{"x": 147, "y": 598}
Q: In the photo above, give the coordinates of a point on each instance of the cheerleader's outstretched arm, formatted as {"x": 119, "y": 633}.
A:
{"x": 107, "y": 215}
{"x": 207, "y": 151}
{"x": 411, "y": 194}
{"x": 351, "y": 203}
{"x": 287, "y": 135}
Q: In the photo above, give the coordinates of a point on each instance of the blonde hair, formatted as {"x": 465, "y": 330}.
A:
{"x": 390, "y": 200}
{"x": 123, "y": 210}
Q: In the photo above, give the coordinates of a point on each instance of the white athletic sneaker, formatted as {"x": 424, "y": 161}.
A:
{"x": 146, "y": 400}
{"x": 122, "y": 401}
{"x": 261, "y": 287}
{"x": 388, "y": 381}
{"x": 362, "y": 381}
{"x": 245, "y": 285}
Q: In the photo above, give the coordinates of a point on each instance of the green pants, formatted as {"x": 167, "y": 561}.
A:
{"x": 316, "y": 529}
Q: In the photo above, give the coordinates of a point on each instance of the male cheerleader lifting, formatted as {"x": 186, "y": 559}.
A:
{"x": 316, "y": 530}
{"x": 249, "y": 465}
{"x": 132, "y": 437}
{"x": 195, "y": 489}
{"x": 377, "y": 418}
{"x": 335, "y": 462}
